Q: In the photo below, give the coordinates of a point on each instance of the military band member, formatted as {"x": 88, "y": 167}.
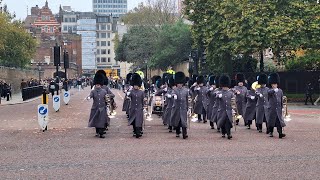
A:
{"x": 163, "y": 89}
{"x": 167, "y": 113}
{"x": 240, "y": 92}
{"x": 250, "y": 111}
{"x": 216, "y": 103}
{"x": 225, "y": 112}
{"x": 275, "y": 96}
{"x": 136, "y": 106}
{"x": 200, "y": 90}
{"x": 211, "y": 93}
{"x": 262, "y": 102}
{"x": 128, "y": 88}
{"x": 179, "y": 113}
{"x": 98, "y": 114}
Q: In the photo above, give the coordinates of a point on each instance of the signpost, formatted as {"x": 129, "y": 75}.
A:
{"x": 43, "y": 118}
{"x": 66, "y": 97}
{"x": 56, "y": 102}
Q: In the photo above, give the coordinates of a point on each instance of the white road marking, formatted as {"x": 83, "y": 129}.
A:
{"x": 120, "y": 96}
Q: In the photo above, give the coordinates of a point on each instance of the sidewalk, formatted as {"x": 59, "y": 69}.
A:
{"x": 17, "y": 98}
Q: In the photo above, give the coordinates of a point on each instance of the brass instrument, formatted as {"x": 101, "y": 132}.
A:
{"x": 110, "y": 109}
{"x": 236, "y": 116}
{"x": 147, "y": 115}
{"x": 255, "y": 85}
{"x": 285, "y": 114}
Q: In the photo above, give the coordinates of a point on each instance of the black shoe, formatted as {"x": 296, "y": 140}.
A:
{"x": 204, "y": 121}
{"x": 141, "y": 132}
{"x": 185, "y": 136}
{"x": 237, "y": 123}
{"x": 223, "y": 135}
{"x": 170, "y": 131}
{"x": 101, "y": 136}
{"x": 249, "y": 127}
{"x": 218, "y": 130}
{"x": 271, "y": 134}
{"x": 229, "y": 137}
{"x": 212, "y": 127}
{"x": 177, "y": 135}
{"x": 260, "y": 130}
{"x": 138, "y": 136}
{"x": 282, "y": 136}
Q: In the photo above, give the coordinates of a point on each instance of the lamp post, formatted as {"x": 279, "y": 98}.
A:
{"x": 39, "y": 70}
{"x": 146, "y": 75}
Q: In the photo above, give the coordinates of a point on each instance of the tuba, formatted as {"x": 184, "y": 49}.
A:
{"x": 285, "y": 113}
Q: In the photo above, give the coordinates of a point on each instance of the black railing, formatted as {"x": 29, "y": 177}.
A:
{"x": 31, "y": 92}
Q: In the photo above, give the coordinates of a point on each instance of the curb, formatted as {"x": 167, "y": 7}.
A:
{"x": 23, "y": 102}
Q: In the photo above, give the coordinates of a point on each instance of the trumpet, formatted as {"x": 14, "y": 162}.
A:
{"x": 110, "y": 108}
{"x": 285, "y": 113}
{"x": 255, "y": 85}
{"x": 190, "y": 104}
{"x": 147, "y": 115}
{"x": 236, "y": 116}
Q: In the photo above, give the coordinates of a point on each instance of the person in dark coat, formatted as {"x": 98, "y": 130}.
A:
{"x": 250, "y": 110}
{"x": 98, "y": 114}
{"x": 167, "y": 113}
{"x": 201, "y": 102}
{"x": 162, "y": 91}
{"x": 211, "y": 93}
{"x": 216, "y": 103}
{"x": 262, "y": 102}
{"x": 179, "y": 113}
{"x": 309, "y": 93}
{"x": 137, "y": 97}
{"x": 128, "y": 88}
{"x": 275, "y": 96}
{"x": 240, "y": 92}
{"x": 225, "y": 112}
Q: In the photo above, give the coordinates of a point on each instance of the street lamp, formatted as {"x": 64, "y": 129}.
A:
{"x": 39, "y": 70}
{"x": 146, "y": 75}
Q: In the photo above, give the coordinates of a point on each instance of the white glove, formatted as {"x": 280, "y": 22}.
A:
{"x": 144, "y": 111}
{"x": 261, "y": 95}
{"x": 128, "y": 93}
{"x": 87, "y": 98}
{"x": 189, "y": 112}
{"x": 238, "y": 92}
{"x": 175, "y": 96}
{"x": 169, "y": 95}
{"x": 211, "y": 89}
{"x": 252, "y": 97}
{"x": 198, "y": 88}
{"x": 220, "y": 96}
{"x": 276, "y": 90}
{"x": 194, "y": 84}
{"x": 165, "y": 89}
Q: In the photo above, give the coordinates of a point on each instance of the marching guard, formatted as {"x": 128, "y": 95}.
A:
{"x": 128, "y": 88}
{"x": 211, "y": 93}
{"x": 200, "y": 91}
{"x": 262, "y": 102}
{"x": 250, "y": 111}
{"x": 240, "y": 92}
{"x": 167, "y": 113}
{"x": 275, "y": 96}
{"x": 179, "y": 113}
{"x": 98, "y": 114}
{"x": 137, "y": 98}
{"x": 225, "y": 112}
{"x": 214, "y": 115}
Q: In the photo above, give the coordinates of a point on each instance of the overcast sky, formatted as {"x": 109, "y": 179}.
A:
{"x": 20, "y": 6}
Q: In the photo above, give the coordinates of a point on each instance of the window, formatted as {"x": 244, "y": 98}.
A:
{"x": 98, "y": 59}
{"x": 98, "y": 51}
{"x": 108, "y": 27}
{"x": 74, "y": 28}
{"x": 108, "y": 35}
{"x": 103, "y": 59}
{"x": 108, "y": 51}
{"x": 103, "y": 43}
{"x": 103, "y": 27}
{"x": 65, "y": 28}
{"x": 51, "y": 29}
{"x": 103, "y": 51}
{"x": 109, "y": 43}
{"x": 97, "y": 35}
{"x": 109, "y": 59}
{"x": 103, "y": 35}
{"x": 98, "y": 43}
{"x": 73, "y": 20}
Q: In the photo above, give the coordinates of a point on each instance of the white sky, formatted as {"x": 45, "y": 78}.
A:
{"x": 20, "y": 6}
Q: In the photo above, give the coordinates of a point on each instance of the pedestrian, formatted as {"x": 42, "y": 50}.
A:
{"x": 23, "y": 84}
{"x": 214, "y": 115}
{"x": 136, "y": 106}
{"x": 179, "y": 113}
{"x": 52, "y": 87}
{"x": 98, "y": 114}
{"x": 225, "y": 112}
{"x": 316, "y": 102}
{"x": 262, "y": 102}
{"x": 309, "y": 93}
{"x": 275, "y": 96}
{"x": 201, "y": 102}
{"x": 240, "y": 92}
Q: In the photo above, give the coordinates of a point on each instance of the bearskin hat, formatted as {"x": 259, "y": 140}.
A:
{"x": 224, "y": 81}
{"x": 274, "y": 78}
{"x": 101, "y": 72}
{"x": 211, "y": 80}
{"x": 136, "y": 80}
{"x": 233, "y": 83}
{"x": 128, "y": 78}
{"x": 200, "y": 79}
{"x": 240, "y": 78}
{"x": 180, "y": 78}
{"x": 262, "y": 79}
{"x": 98, "y": 79}
{"x": 154, "y": 79}
{"x": 170, "y": 81}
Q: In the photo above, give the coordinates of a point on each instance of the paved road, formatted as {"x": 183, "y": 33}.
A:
{"x": 69, "y": 150}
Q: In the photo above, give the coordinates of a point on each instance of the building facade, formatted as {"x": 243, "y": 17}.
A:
{"x": 116, "y": 8}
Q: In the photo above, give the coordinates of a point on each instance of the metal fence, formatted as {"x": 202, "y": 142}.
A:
{"x": 31, "y": 92}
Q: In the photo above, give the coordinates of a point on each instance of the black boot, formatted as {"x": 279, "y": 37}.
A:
{"x": 282, "y": 136}
{"x": 184, "y": 133}
{"x": 237, "y": 122}
{"x": 229, "y": 136}
{"x": 212, "y": 125}
{"x": 170, "y": 129}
